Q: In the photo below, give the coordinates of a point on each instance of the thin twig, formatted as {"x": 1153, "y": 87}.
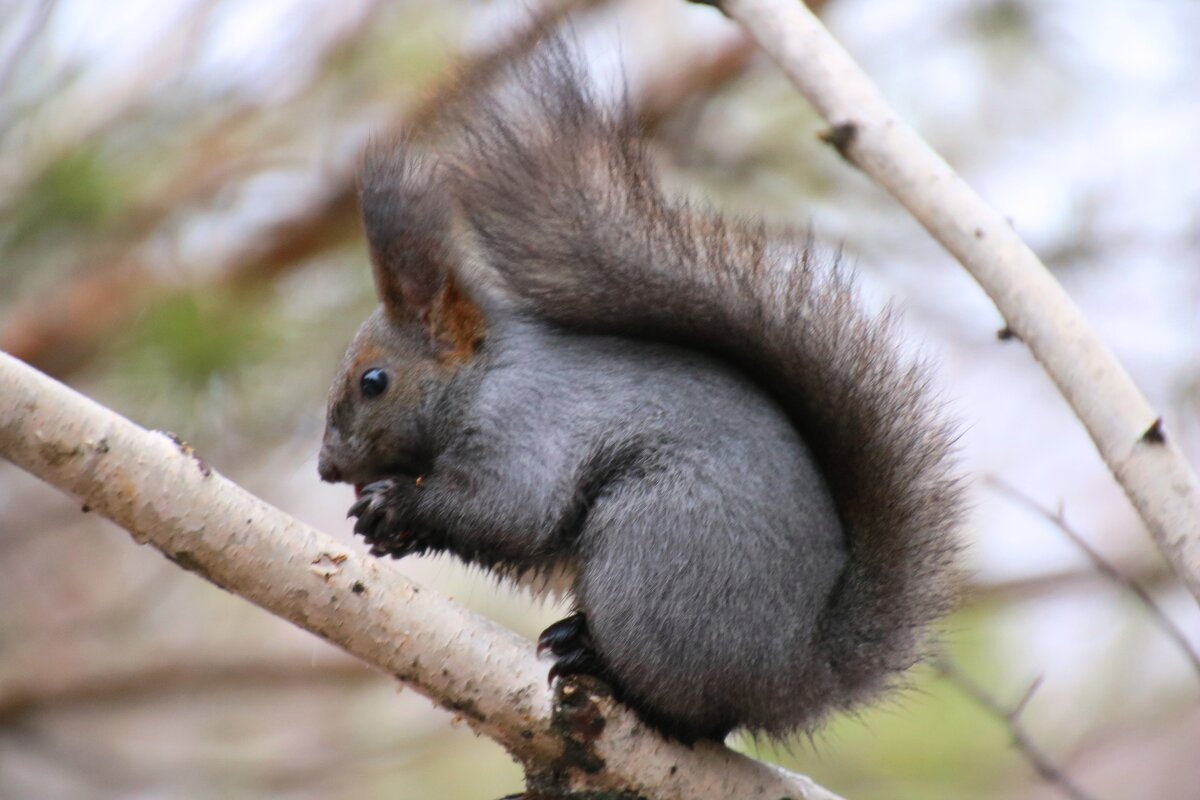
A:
{"x": 1105, "y": 568}
{"x": 1011, "y": 718}
{"x": 1078, "y": 578}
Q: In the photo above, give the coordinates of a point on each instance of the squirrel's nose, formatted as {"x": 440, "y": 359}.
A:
{"x": 327, "y": 469}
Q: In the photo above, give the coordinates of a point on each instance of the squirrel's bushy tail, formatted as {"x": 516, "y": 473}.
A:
{"x": 567, "y": 211}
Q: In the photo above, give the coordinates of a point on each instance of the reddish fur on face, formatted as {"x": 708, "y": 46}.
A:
{"x": 366, "y": 356}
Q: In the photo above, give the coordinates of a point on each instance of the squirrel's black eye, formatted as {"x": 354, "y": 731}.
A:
{"x": 373, "y": 382}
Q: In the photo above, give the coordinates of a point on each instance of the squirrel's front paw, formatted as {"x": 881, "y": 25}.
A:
{"x": 385, "y": 511}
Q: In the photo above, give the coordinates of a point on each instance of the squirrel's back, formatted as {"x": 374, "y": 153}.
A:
{"x": 573, "y": 228}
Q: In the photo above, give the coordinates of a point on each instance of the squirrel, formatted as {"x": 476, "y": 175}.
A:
{"x": 755, "y": 493}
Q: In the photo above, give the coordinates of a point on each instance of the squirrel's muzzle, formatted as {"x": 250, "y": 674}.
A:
{"x": 328, "y": 471}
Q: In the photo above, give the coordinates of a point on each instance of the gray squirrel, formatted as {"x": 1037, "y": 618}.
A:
{"x": 755, "y": 493}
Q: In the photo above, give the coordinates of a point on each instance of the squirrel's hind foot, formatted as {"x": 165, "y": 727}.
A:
{"x": 569, "y": 642}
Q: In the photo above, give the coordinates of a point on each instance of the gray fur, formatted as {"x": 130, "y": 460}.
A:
{"x": 756, "y": 492}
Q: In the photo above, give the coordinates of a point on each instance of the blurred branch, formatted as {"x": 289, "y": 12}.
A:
{"x": 114, "y": 286}
{"x": 112, "y": 289}
{"x": 1011, "y": 719}
{"x": 157, "y": 488}
{"x": 36, "y": 680}
{"x": 77, "y": 112}
{"x": 1105, "y": 568}
{"x": 705, "y": 73}
{"x": 1032, "y": 587}
{"x": 33, "y": 25}
{"x": 112, "y": 283}
{"x": 869, "y": 134}
{"x": 99, "y": 772}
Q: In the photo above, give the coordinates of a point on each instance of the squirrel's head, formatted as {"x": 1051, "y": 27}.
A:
{"x": 426, "y": 329}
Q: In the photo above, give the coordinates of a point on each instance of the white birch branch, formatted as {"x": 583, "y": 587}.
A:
{"x": 155, "y": 487}
{"x": 867, "y": 132}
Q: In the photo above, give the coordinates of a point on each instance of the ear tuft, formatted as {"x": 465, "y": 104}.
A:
{"x": 409, "y": 219}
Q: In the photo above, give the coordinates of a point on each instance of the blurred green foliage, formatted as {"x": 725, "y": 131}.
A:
{"x": 77, "y": 193}
{"x": 198, "y": 336}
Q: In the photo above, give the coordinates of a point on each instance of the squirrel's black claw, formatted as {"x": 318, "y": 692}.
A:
{"x": 365, "y": 525}
{"x": 571, "y": 644}
{"x": 576, "y": 662}
{"x": 372, "y": 510}
{"x": 360, "y": 505}
{"x": 565, "y": 635}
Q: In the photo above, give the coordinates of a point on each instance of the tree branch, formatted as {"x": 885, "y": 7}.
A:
{"x": 1108, "y": 570}
{"x": 158, "y": 489}
{"x": 1031, "y": 587}
{"x": 1042, "y": 764}
{"x": 867, "y": 132}
{"x": 41, "y": 683}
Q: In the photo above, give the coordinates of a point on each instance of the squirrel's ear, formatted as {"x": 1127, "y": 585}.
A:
{"x": 409, "y": 220}
{"x": 456, "y": 324}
